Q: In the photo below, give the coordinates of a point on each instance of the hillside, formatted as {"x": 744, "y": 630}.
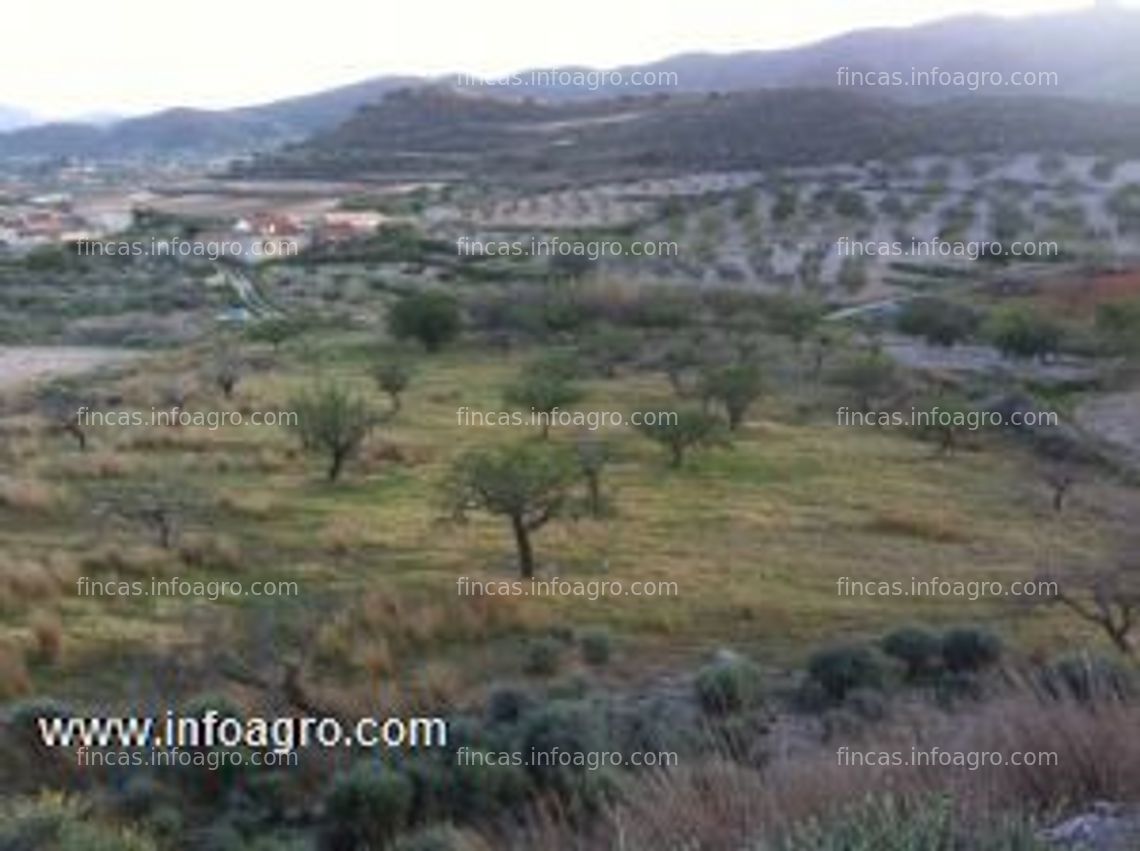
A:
{"x": 438, "y": 133}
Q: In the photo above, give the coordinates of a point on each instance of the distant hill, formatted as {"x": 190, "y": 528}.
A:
{"x": 13, "y": 119}
{"x": 1088, "y": 55}
{"x": 437, "y": 133}
{"x": 198, "y": 132}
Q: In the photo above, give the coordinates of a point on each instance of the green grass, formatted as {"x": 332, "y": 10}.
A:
{"x": 755, "y": 535}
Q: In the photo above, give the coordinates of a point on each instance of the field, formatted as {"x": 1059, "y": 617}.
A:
{"x": 150, "y": 565}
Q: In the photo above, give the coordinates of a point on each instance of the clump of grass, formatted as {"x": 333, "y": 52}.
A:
{"x": 14, "y": 678}
{"x": 913, "y": 524}
{"x": 28, "y": 496}
{"x": 47, "y": 638}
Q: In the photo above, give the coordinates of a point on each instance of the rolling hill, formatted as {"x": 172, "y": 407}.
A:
{"x": 1083, "y": 55}
{"x": 439, "y": 133}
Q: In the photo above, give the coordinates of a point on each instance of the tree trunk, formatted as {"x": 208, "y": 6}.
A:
{"x": 678, "y": 455}
{"x": 335, "y": 466}
{"x": 526, "y": 554}
{"x": 594, "y": 486}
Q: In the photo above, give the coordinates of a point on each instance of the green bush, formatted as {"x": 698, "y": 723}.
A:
{"x": 507, "y": 704}
{"x": 729, "y": 686}
{"x": 839, "y": 670}
{"x": 544, "y": 656}
{"x": 918, "y": 649}
{"x": 966, "y": 650}
{"x": 597, "y": 646}
{"x": 61, "y": 824}
{"x": 936, "y": 320}
{"x": 1087, "y": 678}
{"x": 367, "y": 806}
{"x": 432, "y": 318}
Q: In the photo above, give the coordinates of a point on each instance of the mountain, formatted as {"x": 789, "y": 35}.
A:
{"x": 13, "y": 119}
{"x": 1086, "y": 54}
{"x": 1089, "y": 54}
{"x": 198, "y": 132}
{"x": 437, "y": 133}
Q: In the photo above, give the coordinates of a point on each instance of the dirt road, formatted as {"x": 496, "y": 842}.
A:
{"x": 29, "y": 363}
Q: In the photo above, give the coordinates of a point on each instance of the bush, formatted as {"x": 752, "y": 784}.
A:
{"x": 918, "y": 649}
{"x": 1089, "y": 678}
{"x": 508, "y": 704}
{"x": 839, "y": 670}
{"x": 367, "y": 806}
{"x": 60, "y": 824}
{"x": 937, "y": 321}
{"x": 597, "y": 646}
{"x": 967, "y": 650}
{"x": 544, "y": 655}
{"x": 432, "y": 318}
{"x": 1023, "y": 334}
{"x": 728, "y": 686}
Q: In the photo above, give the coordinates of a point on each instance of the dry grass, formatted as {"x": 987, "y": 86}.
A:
{"x": 29, "y": 496}
{"x": 717, "y": 803}
{"x": 26, "y": 580}
{"x": 938, "y": 528}
{"x": 15, "y": 681}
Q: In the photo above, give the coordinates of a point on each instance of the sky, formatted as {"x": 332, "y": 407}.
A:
{"x": 65, "y": 58}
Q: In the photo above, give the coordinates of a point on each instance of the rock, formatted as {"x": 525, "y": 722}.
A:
{"x": 1109, "y": 827}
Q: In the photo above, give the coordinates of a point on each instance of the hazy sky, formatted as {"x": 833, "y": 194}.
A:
{"x": 68, "y": 57}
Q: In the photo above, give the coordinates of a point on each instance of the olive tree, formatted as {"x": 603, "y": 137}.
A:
{"x": 432, "y": 318}
{"x": 734, "y": 387}
{"x": 543, "y": 389}
{"x": 682, "y": 430}
{"x": 393, "y": 375}
{"x": 526, "y": 483}
{"x": 330, "y": 420}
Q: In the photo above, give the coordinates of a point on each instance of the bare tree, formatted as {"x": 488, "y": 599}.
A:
{"x": 1108, "y": 597}
{"x": 65, "y": 410}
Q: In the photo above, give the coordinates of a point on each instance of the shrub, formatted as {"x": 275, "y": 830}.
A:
{"x": 938, "y": 321}
{"x": 367, "y": 806}
{"x": 839, "y": 670}
{"x": 62, "y": 824}
{"x": 597, "y": 646}
{"x": 1089, "y": 678}
{"x": 571, "y": 727}
{"x": 432, "y": 318}
{"x": 918, "y": 649}
{"x": 966, "y": 650}
{"x": 1023, "y": 334}
{"x": 728, "y": 686}
{"x": 544, "y": 655}
{"x": 507, "y": 705}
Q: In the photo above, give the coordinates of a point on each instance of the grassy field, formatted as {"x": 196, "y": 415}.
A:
{"x": 755, "y": 536}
